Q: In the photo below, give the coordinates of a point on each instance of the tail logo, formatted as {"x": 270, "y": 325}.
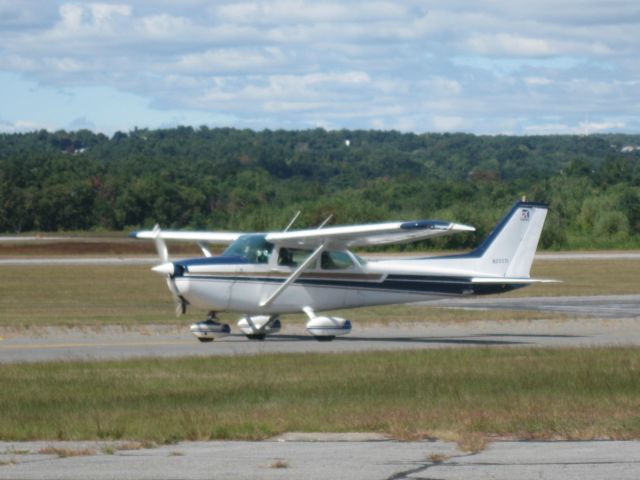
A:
{"x": 524, "y": 216}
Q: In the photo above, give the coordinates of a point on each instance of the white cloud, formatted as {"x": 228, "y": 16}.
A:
{"x": 537, "y": 81}
{"x": 301, "y": 11}
{"x": 517, "y": 45}
{"x": 448, "y": 123}
{"x": 230, "y": 60}
{"x": 486, "y": 67}
{"x": 90, "y": 18}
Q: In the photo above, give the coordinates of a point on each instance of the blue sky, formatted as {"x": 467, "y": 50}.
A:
{"x": 499, "y": 67}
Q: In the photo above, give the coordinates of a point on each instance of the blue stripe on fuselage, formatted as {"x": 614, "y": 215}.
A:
{"x": 420, "y": 284}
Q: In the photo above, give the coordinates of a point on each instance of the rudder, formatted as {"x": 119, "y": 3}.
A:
{"x": 509, "y": 249}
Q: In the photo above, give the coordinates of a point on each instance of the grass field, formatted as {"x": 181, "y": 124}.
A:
{"x": 92, "y": 295}
{"x": 455, "y": 394}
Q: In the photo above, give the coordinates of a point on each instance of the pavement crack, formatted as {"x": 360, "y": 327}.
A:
{"x": 425, "y": 466}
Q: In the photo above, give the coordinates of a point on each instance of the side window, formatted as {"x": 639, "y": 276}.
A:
{"x": 335, "y": 261}
{"x": 292, "y": 257}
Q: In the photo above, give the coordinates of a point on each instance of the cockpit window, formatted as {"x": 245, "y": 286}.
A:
{"x": 253, "y": 247}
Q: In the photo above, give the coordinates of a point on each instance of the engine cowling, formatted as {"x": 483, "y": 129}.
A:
{"x": 327, "y": 328}
{"x": 255, "y": 325}
{"x": 208, "y": 331}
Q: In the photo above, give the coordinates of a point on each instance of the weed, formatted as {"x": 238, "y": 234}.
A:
{"x": 66, "y": 452}
{"x": 279, "y": 463}
{"x": 438, "y": 457}
{"x": 135, "y": 445}
{"x": 472, "y": 442}
{"x": 14, "y": 451}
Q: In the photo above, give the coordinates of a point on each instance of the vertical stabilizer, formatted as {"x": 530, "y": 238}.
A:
{"x": 509, "y": 249}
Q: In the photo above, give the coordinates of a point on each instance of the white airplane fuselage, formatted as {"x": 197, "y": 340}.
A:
{"x": 240, "y": 288}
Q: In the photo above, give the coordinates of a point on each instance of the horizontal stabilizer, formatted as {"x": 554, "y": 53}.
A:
{"x": 511, "y": 281}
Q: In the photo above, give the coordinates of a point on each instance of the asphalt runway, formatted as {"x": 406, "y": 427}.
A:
{"x": 605, "y": 320}
{"x": 323, "y": 460}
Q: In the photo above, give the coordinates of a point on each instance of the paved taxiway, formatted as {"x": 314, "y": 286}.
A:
{"x": 602, "y": 306}
{"x": 325, "y": 460}
{"x": 615, "y": 323}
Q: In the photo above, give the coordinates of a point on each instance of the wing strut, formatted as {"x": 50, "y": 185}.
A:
{"x": 325, "y": 221}
{"x": 294, "y": 276}
{"x": 293, "y": 220}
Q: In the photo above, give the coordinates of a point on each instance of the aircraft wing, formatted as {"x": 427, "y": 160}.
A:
{"x": 366, "y": 235}
{"x": 223, "y": 238}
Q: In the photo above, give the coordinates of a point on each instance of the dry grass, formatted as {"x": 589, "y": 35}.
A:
{"x": 14, "y": 451}
{"x": 584, "y": 277}
{"x": 438, "y": 457}
{"x": 85, "y": 295}
{"x": 279, "y": 463}
{"x": 67, "y": 452}
{"x": 134, "y": 445}
{"x": 472, "y": 442}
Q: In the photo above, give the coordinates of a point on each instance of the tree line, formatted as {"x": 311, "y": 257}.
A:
{"x": 232, "y": 179}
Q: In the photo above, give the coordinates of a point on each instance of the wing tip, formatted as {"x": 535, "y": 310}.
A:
{"x": 461, "y": 227}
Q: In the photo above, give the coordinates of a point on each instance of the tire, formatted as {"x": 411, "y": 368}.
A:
{"x": 324, "y": 338}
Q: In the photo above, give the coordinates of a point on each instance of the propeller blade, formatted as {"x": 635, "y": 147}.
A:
{"x": 161, "y": 246}
{"x": 167, "y": 268}
{"x": 181, "y": 308}
{"x": 181, "y": 303}
{"x": 172, "y": 287}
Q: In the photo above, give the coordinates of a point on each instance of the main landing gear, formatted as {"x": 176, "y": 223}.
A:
{"x": 210, "y": 329}
{"x": 257, "y": 327}
{"x": 325, "y": 329}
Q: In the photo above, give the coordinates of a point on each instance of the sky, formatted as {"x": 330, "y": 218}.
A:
{"x": 519, "y": 67}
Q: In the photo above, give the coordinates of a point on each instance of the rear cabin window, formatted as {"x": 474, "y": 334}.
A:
{"x": 335, "y": 261}
{"x": 292, "y": 257}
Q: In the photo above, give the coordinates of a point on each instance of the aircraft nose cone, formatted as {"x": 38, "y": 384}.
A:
{"x": 165, "y": 269}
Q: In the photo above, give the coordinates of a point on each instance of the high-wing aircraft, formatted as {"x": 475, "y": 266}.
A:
{"x": 265, "y": 275}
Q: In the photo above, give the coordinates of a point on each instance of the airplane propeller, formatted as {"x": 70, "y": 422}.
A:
{"x": 167, "y": 268}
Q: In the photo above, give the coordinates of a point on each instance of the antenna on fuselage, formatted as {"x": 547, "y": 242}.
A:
{"x": 295, "y": 217}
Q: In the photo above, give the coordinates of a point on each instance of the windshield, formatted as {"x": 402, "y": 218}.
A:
{"x": 253, "y": 247}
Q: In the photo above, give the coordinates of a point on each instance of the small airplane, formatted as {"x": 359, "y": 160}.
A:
{"x": 265, "y": 275}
